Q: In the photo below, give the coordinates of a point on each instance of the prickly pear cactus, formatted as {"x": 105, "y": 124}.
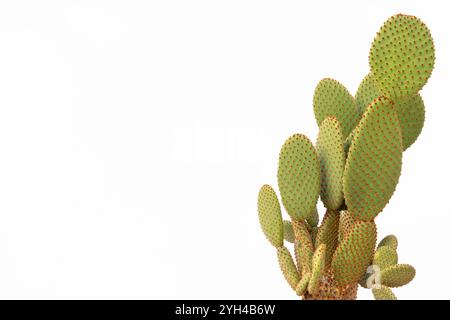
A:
{"x": 354, "y": 168}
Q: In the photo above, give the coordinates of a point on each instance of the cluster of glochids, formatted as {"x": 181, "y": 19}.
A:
{"x": 354, "y": 167}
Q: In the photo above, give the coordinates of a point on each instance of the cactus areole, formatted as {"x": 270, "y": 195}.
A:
{"x": 353, "y": 168}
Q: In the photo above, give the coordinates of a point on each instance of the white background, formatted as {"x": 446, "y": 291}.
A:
{"x": 134, "y": 137}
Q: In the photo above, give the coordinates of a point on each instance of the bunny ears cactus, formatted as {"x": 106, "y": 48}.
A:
{"x": 354, "y": 168}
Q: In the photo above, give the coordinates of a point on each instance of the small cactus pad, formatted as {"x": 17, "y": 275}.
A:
{"x": 330, "y": 150}
{"x": 389, "y": 240}
{"x": 374, "y": 161}
{"x": 346, "y": 222}
{"x": 269, "y": 213}
{"x": 354, "y": 253}
{"x": 287, "y": 266}
{"x": 313, "y": 218}
{"x": 318, "y": 267}
{"x": 306, "y": 246}
{"x": 303, "y": 284}
{"x": 366, "y": 93}
{"x": 383, "y": 293}
{"x": 385, "y": 256}
{"x": 397, "y": 275}
{"x": 328, "y": 234}
{"x": 299, "y": 176}
{"x": 402, "y": 56}
{"x": 331, "y": 98}
{"x": 411, "y": 115}
{"x": 288, "y": 232}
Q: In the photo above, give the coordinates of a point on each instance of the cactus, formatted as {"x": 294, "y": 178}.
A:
{"x": 331, "y": 98}
{"x": 402, "y": 56}
{"x": 385, "y": 256}
{"x": 354, "y": 253}
{"x": 318, "y": 268}
{"x": 288, "y": 267}
{"x": 397, "y": 275}
{"x": 288, "y": 232}
{"x": 374, "y": 161}
{"x": 389, "y": 240}
{"x": 270, "y": 216}
{"x": 328, "y": 234}
{"x": 330, "y": 149}
{"x": 353, "y": 168}
{"x": 410, "y": 109}
{"x": 383, "y": 293}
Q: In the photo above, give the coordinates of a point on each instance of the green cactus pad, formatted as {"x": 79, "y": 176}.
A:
{"x": 385, "y": 256}
{"x": 318, "y": 267}
{"x": 383, "y": 293}
{"x": 411, "y": 115}
{"x": 269, "y": 213}
{"x": 389, "y": 240}
{"x": 299, "y": 176}
{"x": 402, "y": 56}
{"x": 306, "y": 246}
{"x": 397, "y": 275}
{"x": 288, "y": 232}
{"x": 346, "y": 222}
{"x": 374, "y": 161}
{"x": 303, "y": 284}
{"x": 330, "y": 150}
{"x": 366, "y": 93}
{"x": 328, "y": 234}
{"x": 354, "y": 253}
{"x": 287, "y": 266}
{"x": 313, "y": 218}
{"x": 331, "y": 98}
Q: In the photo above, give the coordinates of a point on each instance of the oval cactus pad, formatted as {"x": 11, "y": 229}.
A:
{"x": 331, "y": 98}
{"x": 411, "y": 115}
{"x": 402, "y": 56}
{"x": 374, "y": 161}
{"x": 383, "y": 293}
{"x": 385, "y": 256}
{"x": 397, "y": 275}
{"x": 269, "y": 213}
{"x": 366, "y": 93}
{"x": 288, "y": 267}
{"x": 330, "y": 149}
{"x": 298, "y": 176}
{"x": 389, "y": 240}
